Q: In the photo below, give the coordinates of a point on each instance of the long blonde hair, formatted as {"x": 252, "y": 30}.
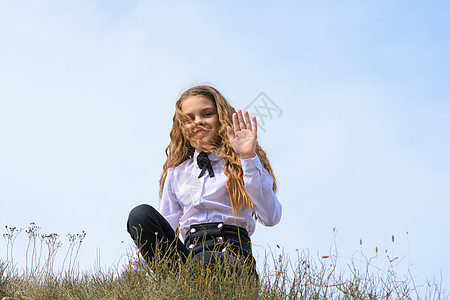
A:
{"x": 180, "y": 149}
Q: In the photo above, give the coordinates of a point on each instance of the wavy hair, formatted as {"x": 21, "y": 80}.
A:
{"x": 181, "y": 149}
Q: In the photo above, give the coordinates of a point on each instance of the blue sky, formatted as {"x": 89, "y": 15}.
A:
{"x": 87, "y": 93}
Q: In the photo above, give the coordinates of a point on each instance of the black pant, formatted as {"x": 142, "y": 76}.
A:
{"x": 149, "y": 229}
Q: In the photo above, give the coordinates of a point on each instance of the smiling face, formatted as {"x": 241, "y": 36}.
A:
{"x": 204, "y": 121}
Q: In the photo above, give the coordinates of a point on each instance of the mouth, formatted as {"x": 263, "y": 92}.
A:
{"x": 201, "y": 132}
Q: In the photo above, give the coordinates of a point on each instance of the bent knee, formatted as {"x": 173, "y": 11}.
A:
{"x": 140, "y": 213}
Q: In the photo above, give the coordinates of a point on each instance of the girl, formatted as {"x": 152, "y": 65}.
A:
{"x": 215, "y": 183}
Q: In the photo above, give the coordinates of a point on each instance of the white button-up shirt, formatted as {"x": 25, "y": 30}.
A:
{"x": 189, "y": 200}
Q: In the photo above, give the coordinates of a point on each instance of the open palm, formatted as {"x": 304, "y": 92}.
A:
{"x": 243, "y": 135}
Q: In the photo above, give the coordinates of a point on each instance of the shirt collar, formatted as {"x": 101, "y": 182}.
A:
{"x": 211, "y": 156}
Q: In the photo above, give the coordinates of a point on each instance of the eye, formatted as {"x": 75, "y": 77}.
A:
{"x": 187, "y": 119}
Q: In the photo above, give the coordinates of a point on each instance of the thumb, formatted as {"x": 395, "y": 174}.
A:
{"x": 230, "y": 132}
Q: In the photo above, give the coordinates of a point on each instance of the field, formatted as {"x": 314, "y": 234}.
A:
{"x": 282, "y": 277}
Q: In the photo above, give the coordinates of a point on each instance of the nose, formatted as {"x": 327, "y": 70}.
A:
{"x": 199, "y": 120}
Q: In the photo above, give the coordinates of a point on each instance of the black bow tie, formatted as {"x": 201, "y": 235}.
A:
{"x": 204, "y": 164}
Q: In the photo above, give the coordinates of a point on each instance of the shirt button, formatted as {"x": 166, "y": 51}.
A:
{"x": 220, "y": 239}
{"x": 220, "y": 225}
{"x": 193, "y": 230}
{"x": 191, "y": 246}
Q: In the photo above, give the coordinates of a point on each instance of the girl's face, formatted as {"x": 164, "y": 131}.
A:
{"x": 204, "y": 123}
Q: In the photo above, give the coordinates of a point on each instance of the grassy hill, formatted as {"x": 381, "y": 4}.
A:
{"x": 282, "y": 277}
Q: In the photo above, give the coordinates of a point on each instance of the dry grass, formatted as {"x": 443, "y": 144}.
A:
{"x": 303, "y": 277}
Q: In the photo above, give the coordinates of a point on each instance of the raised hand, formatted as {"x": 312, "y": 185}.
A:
{"x": 243, "y": 135}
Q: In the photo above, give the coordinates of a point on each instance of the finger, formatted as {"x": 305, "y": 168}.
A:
{"x": 241, "y": 120}
{"x": 255, "y": 125}
{"x": 235, "y": 122}
{"x": 247, "y": 120}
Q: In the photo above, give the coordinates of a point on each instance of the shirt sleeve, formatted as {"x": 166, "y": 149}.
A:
{"x": 258, "y": 184}
{"x": 169, "y": 206}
